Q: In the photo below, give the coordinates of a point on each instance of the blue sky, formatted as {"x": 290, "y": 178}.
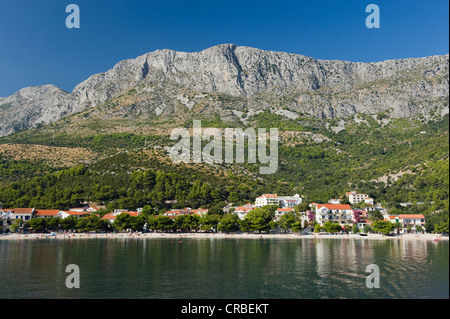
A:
{"x": 37, "y": 48}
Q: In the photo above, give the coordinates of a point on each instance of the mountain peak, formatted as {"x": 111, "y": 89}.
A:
{"x": 258, "y": 79}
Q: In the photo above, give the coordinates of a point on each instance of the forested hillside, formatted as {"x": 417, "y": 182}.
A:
{"x": 394, "y": 161}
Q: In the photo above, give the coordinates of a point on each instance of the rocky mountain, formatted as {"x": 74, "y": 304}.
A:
{"x": 234, "y": 82}
{"x": 32, "y": 106}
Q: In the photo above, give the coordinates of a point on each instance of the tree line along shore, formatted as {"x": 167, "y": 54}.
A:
{"x": 257, "y": 221}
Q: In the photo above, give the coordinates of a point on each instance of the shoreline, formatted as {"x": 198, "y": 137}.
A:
{"x": 38, "y": 236}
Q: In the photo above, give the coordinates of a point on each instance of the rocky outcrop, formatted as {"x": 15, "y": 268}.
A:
{"x": 32, "y": 106}
{"x": 261, "y": 79}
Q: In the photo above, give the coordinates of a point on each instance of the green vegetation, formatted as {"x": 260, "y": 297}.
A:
{"x": 68, "y": 188}
{"x": 383, "y": 227}
{"x": 98, "y": 142}
{"x": 257, "y": 222}
{"x": 442, "y": 227}
{"x": 269, "y": 120}
{"x": 229, "y": 223}
{"x": 330, "y": 227}
{"x": 20, "y": 170}
{"x": 402, "y": 160}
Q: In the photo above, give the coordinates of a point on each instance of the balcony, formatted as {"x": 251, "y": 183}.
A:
{"x": 343, "y": 217}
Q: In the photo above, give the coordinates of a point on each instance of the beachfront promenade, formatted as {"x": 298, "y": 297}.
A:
{"x": 155, "y": 235}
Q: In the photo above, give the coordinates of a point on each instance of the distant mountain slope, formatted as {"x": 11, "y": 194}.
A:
{"x": 234, "y": 81}
{"x": 32, "y": 106}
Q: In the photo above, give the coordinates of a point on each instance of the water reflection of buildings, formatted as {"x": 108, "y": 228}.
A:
{"x": 341, "y": 264}
{"x": 414, "y": 249}
{"x": 401, "y": 249}
{"x": 332, "y": 255}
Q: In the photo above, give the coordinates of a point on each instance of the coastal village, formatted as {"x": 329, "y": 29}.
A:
{"x": 336, "y": 211}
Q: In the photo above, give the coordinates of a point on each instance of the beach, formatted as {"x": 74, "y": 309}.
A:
{"x": 180, "y": 236}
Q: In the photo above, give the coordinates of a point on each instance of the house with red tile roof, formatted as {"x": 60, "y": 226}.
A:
{"x": 363, "y": 223}
{"x": 112, "y": 216}
{"x": 290, "y": 201}
{"x": 174, "y": 213}
{"x": 67, "y": 213}
{"x": 408, "y": 221}
{"x": 200, "y": 212}
{"x": 334, "y": 206}
{"x": 47, "y": 213}
{"x": 281, "y": 211}
{"x": 242, "y": 211}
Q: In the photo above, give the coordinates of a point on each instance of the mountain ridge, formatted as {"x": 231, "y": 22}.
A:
{"x": 257, "y": 79}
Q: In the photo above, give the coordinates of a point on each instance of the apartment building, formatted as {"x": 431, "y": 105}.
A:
{"x": 355, "y": 198}
{"x": 335, "y": 213}
{"x": 267, "y": 199}
{"x": 290, "y": 201}
{"x": 408, "y": 221}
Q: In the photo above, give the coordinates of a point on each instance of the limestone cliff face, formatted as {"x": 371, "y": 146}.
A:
{"x": 30, "y": 107}
{"x": 250, "y": 78}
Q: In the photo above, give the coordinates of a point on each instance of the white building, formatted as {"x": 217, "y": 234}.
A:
{"x": 242, "y": 211}
{"x": 290, "y": 201}
{"x": 200, "y": 212}
{"x": 174, "y": 213}
{"x": 77, "y": 209}
{"x": 281, "y": 211}
{"x": 280, "y": 201}
{"x": 355, "y": 198}
{"x": 267, "y": 199}
{"x": 335, "y": 213}
{"x": 64, "y": 214}
{"x": 47, "y": 213}
{"x": 408, "y": 220}
{"x": 6, "y": 219}
{"x": 410, "y": 204}
{"x": 111, "y": 217}
{"x": 23, "y": 213}
{"x": 363, "y": 223}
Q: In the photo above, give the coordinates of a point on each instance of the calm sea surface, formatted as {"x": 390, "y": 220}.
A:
{"x": 224, "y": 268}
